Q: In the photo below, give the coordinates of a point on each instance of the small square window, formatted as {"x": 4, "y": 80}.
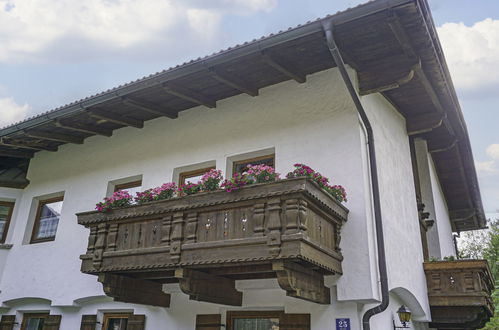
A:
{"x": 47, "y": 220}
{"x": 193, "y": 176}
{"x": 6, "y": 209}
{"x": 33, "y": 321}
{"x": 131, "y": 187}
{"x": 115, "y": 321}
{"x": 242, "y": 165}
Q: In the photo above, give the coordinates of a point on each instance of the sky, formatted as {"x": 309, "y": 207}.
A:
{"x": 53, "y": 52}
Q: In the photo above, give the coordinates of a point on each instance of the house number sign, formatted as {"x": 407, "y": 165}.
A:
{"x": 342, "y": 324}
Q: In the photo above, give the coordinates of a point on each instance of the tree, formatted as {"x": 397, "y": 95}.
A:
{"x": 485, "y": 245}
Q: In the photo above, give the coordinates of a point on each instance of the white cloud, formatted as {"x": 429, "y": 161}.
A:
{"x": 11, "y": 112}
{"x": 41, "y": 29}
{"x": 487, "y": 167}
{"x": 493, "y": 151}
{"x": 472, "y": 53}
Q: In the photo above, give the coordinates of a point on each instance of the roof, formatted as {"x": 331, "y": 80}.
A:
{"x": 392, "y": 44}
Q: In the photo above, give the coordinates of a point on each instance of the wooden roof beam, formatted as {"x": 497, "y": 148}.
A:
{"x": 424, "y": 123}
{"x": 15, "y": 154}
{"x": 189, "y": 95}
{"x": 404, "y": 41}
{"x": 150, "y": 107}
{"x": 57, "y": 137}
{"x": 233, "y": 82}
{"x": 115, "y": 118}
{"x": 84, "y": 128}
{"x": 24, "y": 145}
{"x": 283, "y": 68}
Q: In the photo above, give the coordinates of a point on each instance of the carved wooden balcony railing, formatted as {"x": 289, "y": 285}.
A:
{"x": 459, "y": 293}
{"x": 289, "y": 230}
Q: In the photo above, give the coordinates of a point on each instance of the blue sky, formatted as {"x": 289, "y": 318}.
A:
{"x": 53, "y": 52}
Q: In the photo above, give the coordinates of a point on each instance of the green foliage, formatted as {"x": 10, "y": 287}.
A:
{"x": 485, "y": 245}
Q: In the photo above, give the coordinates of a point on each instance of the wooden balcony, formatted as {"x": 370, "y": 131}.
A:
{"x": 460, "y": 293}
{"x": 289, "y": 230}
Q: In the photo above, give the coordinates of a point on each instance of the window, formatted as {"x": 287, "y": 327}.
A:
{"x": 132, "y": 187}
{"x": 6, "y": 209}
{"x": 34, "y": 321}
{"x": 254, "y": 320}
{"x": 47, "y": 220}
{"x": 193, "y": 176}
{"x": 242, "y": 165}
{"x": 115, "y": 321}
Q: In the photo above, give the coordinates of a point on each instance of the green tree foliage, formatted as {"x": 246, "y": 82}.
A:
{"x": 485, "y": 245}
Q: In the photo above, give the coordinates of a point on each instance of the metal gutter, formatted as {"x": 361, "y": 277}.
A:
{"x": 222, "y": 57}
{"x": 380, "y": 241}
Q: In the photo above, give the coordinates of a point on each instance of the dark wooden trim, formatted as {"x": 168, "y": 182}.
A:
{"x": 36, "y": 224}
{"x": 388, "y": 86}
{"x": 84, "y": 128}
{"x": 115, "y": 118}
{"x": 189, "y": 95}
{"x": 283, "y": 68}
{"x": 424, "y": 123}
{"x": 190, "y": 174}
{"x": 26, "y": 316}
{"x": 150, "y": 107}
{"x": 8, "y": 142}
{"x": 16, "y": 154}
{"x": 88, "y": 322}
{"x": 8, "y": 219}
{"x": 107, "y": 316}
{"x": 233, "y": 82}
{"x": 208, "y": 321}
{"x": 128, "y": 185}
{"x": 249, "y": 160}
{"x": 232, "y": 315}
{"x": 7, "y": 322}
{"x": 58, "y": 137}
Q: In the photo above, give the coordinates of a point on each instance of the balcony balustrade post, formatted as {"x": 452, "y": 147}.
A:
{"x": 166, "y": 226}
{"x": 274, "y": 226}
{"x": 258, "y": 219}
{"x": 191, "y": 227}
{"x": 296, "y": 216}
{"x": 177, "y": 236}
{"x": 100, "y": 244}
{"x": 112, "y": 236}
{"x": 91, "y": 240}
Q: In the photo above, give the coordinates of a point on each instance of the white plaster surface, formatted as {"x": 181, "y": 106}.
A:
{"x": 314, "y": 123}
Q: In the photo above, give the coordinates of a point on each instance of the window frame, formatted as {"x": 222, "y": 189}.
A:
{"x": 27, "y": 316}
{"x": 108, "y": 316}
{"x": 250, "y": 160}
{"x": 183, "y": 176}
{"x": 232, "y": 315}
{"x": 36, "y": 224}
{"x": 7, "y": 219}
{"x": 127, "y": 185}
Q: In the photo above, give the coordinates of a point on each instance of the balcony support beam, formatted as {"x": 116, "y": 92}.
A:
{"x": 301, "y": 282}
{"x": 130, "y": 290}
{"x": 202, "y": 286}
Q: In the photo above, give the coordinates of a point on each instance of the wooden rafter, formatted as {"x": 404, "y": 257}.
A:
{"x": 24, "y": 145}
{"x": 16, "y": 154}
{"x": 405, "y": 43}
{"x": 83, "y": 128}
{"x": 424, "y": 123}
{"x": 115, "y": 118}
{"x": 283, "y": 68}
{"x": 189, "y": 95}
{"x": 50, "y": 136}
{"x": 150, "y": 107}
{"x": 233, "y": 82}
{"x": 366, "y": 90}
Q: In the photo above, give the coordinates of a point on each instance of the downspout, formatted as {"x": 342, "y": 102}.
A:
{"x": 333, "y": 48}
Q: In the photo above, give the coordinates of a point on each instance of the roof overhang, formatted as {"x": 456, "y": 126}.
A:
{"x": 392, "y": 44}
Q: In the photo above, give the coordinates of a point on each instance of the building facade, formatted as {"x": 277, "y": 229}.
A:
{"x": 280, "y": 100}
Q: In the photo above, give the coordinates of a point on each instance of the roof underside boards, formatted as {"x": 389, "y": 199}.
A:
{"x": 392, "y": 45}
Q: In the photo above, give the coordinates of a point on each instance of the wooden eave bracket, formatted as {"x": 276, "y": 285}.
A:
{"x": 424, "y": 123}
{"x": 389, "y": 86}
{"x": 115, "y": 118}
{"x": 301, "y": 282}
{"x": 130, "y": 290}
{"x": 9, "y": 142}
{"x": 16, "y": 154}
{"x": 283, "y": 68}
{"x": 150, "y": 107}
{"x": 189, "y": 95}
{"x": 57, "y": 137}
{"x": 231, "y": 81}
{"x": 462, "y": 214}
{"x": 83, "y": 128}
{"x": 202, "y": 286}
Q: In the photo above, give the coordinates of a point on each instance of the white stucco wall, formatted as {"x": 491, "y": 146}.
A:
{"x": 314, "y": 123}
